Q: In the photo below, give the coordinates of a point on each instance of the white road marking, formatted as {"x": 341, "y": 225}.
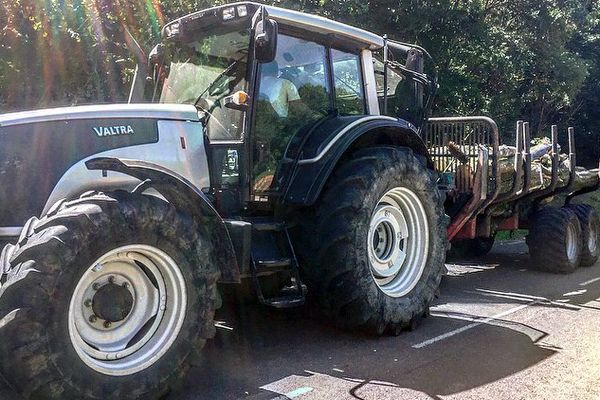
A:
{"x": 315, "y": 386}
{"x": 298, "y": 392}
{"x": 521, "y": 295}
{"x": 589, "y": 282}
{"x": 525, "y": 297}
{"x": 473, "y": 325}
{"x": 221, "y": 324}
{"x": 575, "y": 293}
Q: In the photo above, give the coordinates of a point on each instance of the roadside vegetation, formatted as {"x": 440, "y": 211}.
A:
{"x": 537, "y": 60}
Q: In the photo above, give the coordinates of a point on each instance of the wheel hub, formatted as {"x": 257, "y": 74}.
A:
{"x": 571, "y": 244}
{"x": 127, "y": 310}
{"x": 388, "y": 232}
{"x": 398, "y": 241}
{"x": 112, "y": 303}
{"x": 593, "y": 239}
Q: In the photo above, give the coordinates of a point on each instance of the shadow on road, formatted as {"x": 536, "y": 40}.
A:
{"x": 284, "y": 351}
{"x": 267, "y": 347}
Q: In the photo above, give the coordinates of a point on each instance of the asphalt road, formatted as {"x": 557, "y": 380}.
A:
{"x": 499, "y": 330}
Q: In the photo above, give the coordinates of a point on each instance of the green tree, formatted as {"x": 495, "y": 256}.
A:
{"x": 532, "y": 59}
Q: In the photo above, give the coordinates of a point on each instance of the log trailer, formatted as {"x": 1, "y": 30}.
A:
{"x": 280, "y": 150}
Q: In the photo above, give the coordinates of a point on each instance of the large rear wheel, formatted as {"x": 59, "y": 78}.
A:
{"x": 106, "y": 297}
{"x": 373, "y": 248}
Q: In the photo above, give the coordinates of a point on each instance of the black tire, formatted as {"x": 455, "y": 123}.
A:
{"x": 590, "y": 229}
{"x": 552, "y": 233}
{"x": 38, "y": 357}
{"x": 333, "y": 241}
{"x": 471, "y": 248}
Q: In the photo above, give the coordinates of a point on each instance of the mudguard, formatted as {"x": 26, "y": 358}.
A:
{"x": 178, "y": 191}
{"x": 312, "y": 170}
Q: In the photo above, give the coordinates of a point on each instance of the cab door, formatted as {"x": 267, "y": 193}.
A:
{"x": 293, "y": 93}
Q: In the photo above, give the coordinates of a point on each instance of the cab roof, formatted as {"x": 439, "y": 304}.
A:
{"x": 297, "y": 19}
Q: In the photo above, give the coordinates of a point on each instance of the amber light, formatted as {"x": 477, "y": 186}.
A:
{"x": 240, "y": 98}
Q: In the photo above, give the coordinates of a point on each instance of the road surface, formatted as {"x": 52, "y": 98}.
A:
{"x": 499, "y": 330}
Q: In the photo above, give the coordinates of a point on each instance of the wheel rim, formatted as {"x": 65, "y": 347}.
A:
{"x": 593, "y": 238}
{"x": 571, "y": 243}
{"x": 398, "y": 242}
{"x": 127, "y": 310}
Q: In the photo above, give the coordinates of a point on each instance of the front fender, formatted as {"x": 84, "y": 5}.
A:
{"x": 180, "y": 192}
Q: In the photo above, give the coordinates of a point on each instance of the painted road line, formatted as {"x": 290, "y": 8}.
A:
{"x": 534, "y": 334}
{"x": 222, "y": 325}
{"x": 473, "y": 325}
{"x": 523, "y": 297}
{"x": 575, "y": 293}
{"x": 589, "y": 282}
{"x": 298, "y": 392}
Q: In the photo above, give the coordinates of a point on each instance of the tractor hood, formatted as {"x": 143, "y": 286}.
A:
{"x": 42, "y": 152}
{"x": 176, "y": 112}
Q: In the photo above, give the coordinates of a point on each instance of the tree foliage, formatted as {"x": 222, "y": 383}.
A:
{"x": 538, "y": 60}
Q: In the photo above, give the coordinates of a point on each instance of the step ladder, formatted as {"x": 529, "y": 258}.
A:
{"x": 273, "y": 252}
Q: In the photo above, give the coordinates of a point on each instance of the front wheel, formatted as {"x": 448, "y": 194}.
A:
{"x": 106, "y": 297}
{"x": 373, "y": 248}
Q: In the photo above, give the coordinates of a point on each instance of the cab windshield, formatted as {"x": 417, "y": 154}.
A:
{"x": 203, "y": 73}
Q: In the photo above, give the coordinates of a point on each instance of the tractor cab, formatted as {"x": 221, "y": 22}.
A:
{"x": 273, "y": 87}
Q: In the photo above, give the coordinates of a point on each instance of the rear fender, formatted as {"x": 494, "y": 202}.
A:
{"x": 187, "y": 198}
{"x": 311, "y": 174}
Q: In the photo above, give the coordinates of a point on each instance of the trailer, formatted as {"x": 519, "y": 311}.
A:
{"x": 466, "y": 151}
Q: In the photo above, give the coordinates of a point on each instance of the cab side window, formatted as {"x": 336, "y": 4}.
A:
{"x": 395, "y": 81}
{"x": 347, "y": 74}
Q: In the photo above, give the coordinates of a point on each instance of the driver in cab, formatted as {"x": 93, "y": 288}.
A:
{"x": 280, "y": 92}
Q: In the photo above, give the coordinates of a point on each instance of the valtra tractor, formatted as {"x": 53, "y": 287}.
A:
{"x": 261, "y": 146}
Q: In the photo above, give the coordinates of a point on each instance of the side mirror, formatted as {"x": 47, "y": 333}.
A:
{"x": 265, "y": 37}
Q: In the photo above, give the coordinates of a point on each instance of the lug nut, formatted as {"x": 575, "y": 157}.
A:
{"x": 107, "y": 324}
{"x": 96, "y": 286}
{"x": 126, "y": 285}
{"x": 88, "y": 303}
{"x": 93, "y": 319}
{"x": 111, "y": 279}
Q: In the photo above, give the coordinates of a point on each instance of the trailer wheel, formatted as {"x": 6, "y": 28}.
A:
{"x": 373, "y": 248}
{"x": 554, "y": 240}
{"x": 106, "y": 297}
{"x": 590, "y": 228}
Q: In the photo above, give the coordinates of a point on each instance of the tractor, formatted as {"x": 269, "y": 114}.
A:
{"x": 261, "y": 147}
